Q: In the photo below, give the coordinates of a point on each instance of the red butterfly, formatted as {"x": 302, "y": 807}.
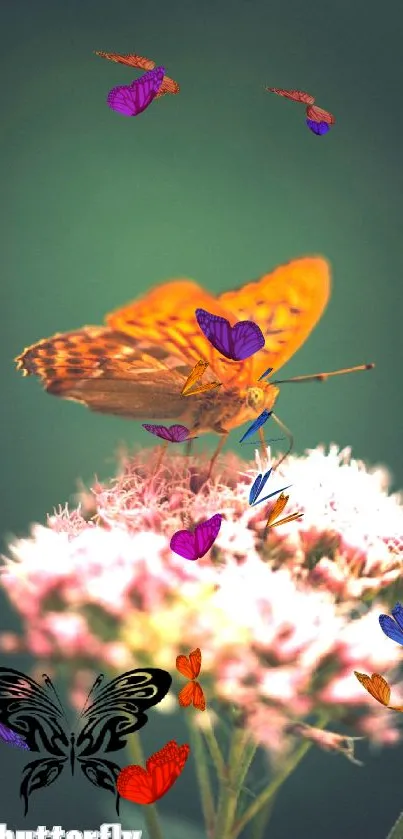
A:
{"x": 144, "y": 786}
{"x": 191, "y": 692}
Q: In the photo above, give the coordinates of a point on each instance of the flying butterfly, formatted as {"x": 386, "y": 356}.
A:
{"x": 378, "y": 687}
{"x": 131, "y": 100}
{"x": 13, "y": 739}
{"x": 114, "y": 712}
{"x": 192, "y": 692}
{"x": 145, "y": 786}
{"x": 318, "y": 120}
{"x": 194, "y": 376}
{"x": 278, "y": 507}
{"x": 173, "y": 434}
{"x": 138, "y": 363}
{"x": 141, "y": 63}
{"x": 195, "y": 545}
{"x": 237, "y": 342}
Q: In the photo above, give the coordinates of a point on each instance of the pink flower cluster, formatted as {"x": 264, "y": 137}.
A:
{"x": 283, "y": 617}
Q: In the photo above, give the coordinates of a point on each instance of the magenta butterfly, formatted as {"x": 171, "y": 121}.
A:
{"x": 172, "y": 433}
{"x": 234, "y": 342}
{"x": 194, "y": 545}
{"x": 131, "y": 100}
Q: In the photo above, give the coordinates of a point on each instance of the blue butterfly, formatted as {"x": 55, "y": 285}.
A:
{"x": 261, "y": 419}
{"x": 257, "y": 487}
{"x": 393, "y": 626}
{"x": 318, "y": 128}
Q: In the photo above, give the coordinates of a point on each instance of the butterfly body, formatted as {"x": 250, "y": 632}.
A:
{"x": 138, "y": 363}
{"x": 115, "y": 711}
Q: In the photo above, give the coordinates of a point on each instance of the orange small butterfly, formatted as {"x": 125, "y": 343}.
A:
{"x": 191, "y": 692}
{"x": 144, "y": 786}
{"x": 194, "y": 376}
{"x": 378, "y": 687}
{"x": 278, "y": 508}
{"x": 141, "y": 63}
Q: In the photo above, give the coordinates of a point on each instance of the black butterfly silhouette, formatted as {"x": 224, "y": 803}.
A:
{"x": 115, "y": 711}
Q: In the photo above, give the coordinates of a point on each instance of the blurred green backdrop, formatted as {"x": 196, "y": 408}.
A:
{"x": 220, "y": 184}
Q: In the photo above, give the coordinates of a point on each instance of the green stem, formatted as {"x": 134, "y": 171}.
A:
{"x": 214, "y": 750}
{"x": 397, "y": 829}
{"x": 150, "y": 812}
{"x": 229, "y": 790}
{"x": 271, "y": 789}
{"x": 262, "y": 819}
{"x": 206, "y": 795}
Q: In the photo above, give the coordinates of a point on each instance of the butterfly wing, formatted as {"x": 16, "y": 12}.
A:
{"x": 278, "y": 507}
{"x": 185, "y": 695}
{"x": 119, "y": 709}
{"x": 190, "y": 667}
{"x": 183, "y": 543}
{"x": 286, "y": 305}
{"x": 102, "y": 773}
{"x": 141, "y": 63}
{"x": 136, "y": 785}
{"x": 376, "y": 685}
{"x": 258, "y": 422}
{"x": 166, "y": 765}
{"x": 319, "y": 115}
{"x": 12, "y": 738}
{"x": 295, "y": 95}
{"x": 39, "y": 774}
{"x": 391, "y": 628}
{"x": 198, "y": 698}
{"x": 131, "y": 100}
{"x": 27, "y": 709}
{"x": 206, "y": 533}
{"x": 318, "y": 128}
{"x": 174, "y": 434}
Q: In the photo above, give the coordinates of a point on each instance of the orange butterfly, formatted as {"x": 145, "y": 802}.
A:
{"x": 278, "y": 508}
{"x": 378, "y": 687}
{"x": 138, "y": 363}
{"x": 191, "y": 692}
{"x": 144, "y": 786}
{"x": 194, "y": 376}
{"x": 141, "y": 63}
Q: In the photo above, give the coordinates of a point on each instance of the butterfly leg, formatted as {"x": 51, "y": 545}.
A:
{"x": 221, "y": 444}
{"x": 290, "y": 437}
{"x": 161, "y": 456}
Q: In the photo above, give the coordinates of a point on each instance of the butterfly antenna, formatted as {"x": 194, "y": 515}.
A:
{"x": 289, "y": 436}
{"x": 321, "y": 377}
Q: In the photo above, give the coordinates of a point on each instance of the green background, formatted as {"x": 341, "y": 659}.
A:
{"x": 220, "y": 183}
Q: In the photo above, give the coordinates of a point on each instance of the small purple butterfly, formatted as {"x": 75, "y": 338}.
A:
{"x": 195, "y": 545}
{"x": 261, "y": 419}
{"x": 11, "y": 737}
{"x": 131, "y": 100}
{"x": 318, "y": 128}
{"x": 172, "y": 433}
{"x": 234, "y": 342}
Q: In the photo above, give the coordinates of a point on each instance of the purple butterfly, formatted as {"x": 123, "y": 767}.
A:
{"x": 195, "y": 545}
{"x": 318, "y": 128}
{"x": 11, "y": 737}
{"x": 131, "y": 100}
{"x": 172, "y": 433}
{"x": 234, "y": 342}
